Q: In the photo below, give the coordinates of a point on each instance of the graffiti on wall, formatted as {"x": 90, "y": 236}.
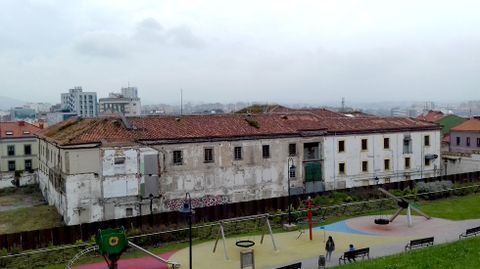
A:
{"x": 207, "y": 200}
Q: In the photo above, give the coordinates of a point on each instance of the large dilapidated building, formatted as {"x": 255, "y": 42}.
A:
{"x": 98, "y": 169}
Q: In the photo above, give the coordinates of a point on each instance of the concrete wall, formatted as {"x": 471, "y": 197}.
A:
{"x": 375, "y": 156}
{"x": 455, "y": 163}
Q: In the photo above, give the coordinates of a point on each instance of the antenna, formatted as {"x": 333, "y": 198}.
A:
{"x": 343, "y": 104}
{"x": 181, "y": 102}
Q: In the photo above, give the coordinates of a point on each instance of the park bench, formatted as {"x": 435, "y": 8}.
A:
{"x": 470, "y": 232}
{"x": 297, "y": 265}
{"x": 418, "y": 243}
{"x": 353, "y": 254}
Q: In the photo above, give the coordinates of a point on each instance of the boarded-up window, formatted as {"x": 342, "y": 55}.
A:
{"x": 177, "y": 157}
{"x": 237, "y": 152}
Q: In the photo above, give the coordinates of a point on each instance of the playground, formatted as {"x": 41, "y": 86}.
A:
{"x": 295, "y": 246}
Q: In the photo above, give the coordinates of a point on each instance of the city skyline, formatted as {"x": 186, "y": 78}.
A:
{"x": 277, "y": 52}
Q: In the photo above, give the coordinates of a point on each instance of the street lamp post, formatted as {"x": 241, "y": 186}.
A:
{"x": 187, "y": 210}
{"x": 291, "y": 171}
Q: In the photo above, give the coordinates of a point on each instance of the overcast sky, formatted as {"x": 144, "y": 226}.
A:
{"x": 273, "y": 51}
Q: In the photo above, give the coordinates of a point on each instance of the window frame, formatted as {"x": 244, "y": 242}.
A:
{"x": 386, "y": 143}
{"x": 177, "y": 157}
{"x": 365, "y": 166}
{"x": 340, "y": 172}
{"x": 238, "y": 153}
{"x": 362, "y": 145}
{"x": 427, "y": 162}
{"x": 266, "y": 151}
{"x": 409, "y": 163}
{"x": 426, "y": 140}
{"x": 342, "y": 147}
{"x": 10, "y": 165}
{"x": 9, "y": 151}
{"x": 208, "y": 155}
{"x": 386, "y": 165}
{"x": 467, "y": 142}
{"x": 294, "y": 151}
{"x": 458, "y": 141}
{"x": 31, "y": 164}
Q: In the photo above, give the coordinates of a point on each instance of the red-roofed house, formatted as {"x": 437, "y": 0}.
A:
{"x": 18, "y": 153}
{"x": 466, "y": 137}
{"x": 106, "y": 168}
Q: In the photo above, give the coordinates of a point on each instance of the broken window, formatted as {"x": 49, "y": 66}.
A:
{"x": 237, "y": 152}
{"x": 292, "y": 149}
{"x": 310, "y": 151}
{"x": 177, "y": 157}
{"x": 266, "y": 151}
{"x": 119, "y": 160}
{"x": 208, "y": 155}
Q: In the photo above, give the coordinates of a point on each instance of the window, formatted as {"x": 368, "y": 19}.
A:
{"x": 364, "y": 144}
{"x": 468, "y": 142}
{"x": 426, "y": 140}
{"x": 177, "y": 157}
{"x": 27, "y": 149}
{"x": 11, "y": 150}
{"x": 386, "y": 164}
{"x": 266, "y": 151}
{"x": 292, "y": 149}
{"x": 11, "y": 166}
{"x": 26, "y": 132}
{"x": 478, "y": 142}
{"x": 364, "y": 166}
{"x": 407, "y": 163}
{"x": 8, "y": 133}
{"x": 427, "y": 162}
{"x": 129, "y": 211}
{"x": 386, "y": 143}
{"x": 237, "y": 152}
{"x": 119, "y": 160}
{"x": 341, "y": 168}
{"x": 407, "y": 146}
{"x": 292, "y": 172}
{"x": 208, "y": 155}
{"x": 341, "y": 146}
{"x": 28, "y": 165}
{"x": 458, "y": 141}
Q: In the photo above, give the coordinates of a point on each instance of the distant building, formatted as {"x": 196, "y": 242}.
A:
{"x": 56, "y": 117}
{"x": 84, "y": 104}
{"x": 398, "y": 112}
{"x": 465, "y": 137}
{"x": 18, "y": 153}
{"x": 125, "y": 103}
{"x": 22, "y": 113}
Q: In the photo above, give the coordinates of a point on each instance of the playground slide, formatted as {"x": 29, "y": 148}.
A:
{"x": 158, "y": 258}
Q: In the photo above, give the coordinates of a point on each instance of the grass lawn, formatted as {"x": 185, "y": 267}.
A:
{"x": 456, "y": 208}
{"x": 27, "y": 219}
{"x": 460, "y": 254}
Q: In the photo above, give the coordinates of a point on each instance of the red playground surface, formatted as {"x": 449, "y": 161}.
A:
{"x": 146, "y": 262}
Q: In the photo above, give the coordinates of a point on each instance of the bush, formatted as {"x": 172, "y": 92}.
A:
{"x": 436, "y": 186}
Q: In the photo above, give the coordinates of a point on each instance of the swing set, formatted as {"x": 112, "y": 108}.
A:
{"x": 244, "y": 243}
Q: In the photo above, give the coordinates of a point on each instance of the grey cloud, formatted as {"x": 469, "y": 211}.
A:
{"x": 183, "y": 36}
{"x": 103, "y": 45}
{"x": 152, "y": 32}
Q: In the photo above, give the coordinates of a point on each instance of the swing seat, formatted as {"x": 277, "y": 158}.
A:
{"x": 245, "y": 243}
{"x": 382, "y": 221}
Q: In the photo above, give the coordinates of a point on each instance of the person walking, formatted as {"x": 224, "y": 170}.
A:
{"x": 329, "y": 248}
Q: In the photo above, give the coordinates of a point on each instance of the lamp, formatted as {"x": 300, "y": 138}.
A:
{"x": 291, "y": 171}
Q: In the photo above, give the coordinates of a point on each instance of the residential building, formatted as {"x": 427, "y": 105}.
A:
{"x": 84, "y": 104}
{"x": 18, "y": 153}
{"x": 126, "y": 103}
{"x": 466, "y": 137}
{"x": 99, "y": 169}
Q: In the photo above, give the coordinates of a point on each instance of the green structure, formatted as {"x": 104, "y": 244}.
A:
{"x": 111, "y": 244}
{"x": 450, "y": 121}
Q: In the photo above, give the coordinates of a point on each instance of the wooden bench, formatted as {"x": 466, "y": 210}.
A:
{"x": 352, "y": 255}
{"x": 297, "y": 265}
{"x": 418, "y": 243}
{"x": 470, "y": 232}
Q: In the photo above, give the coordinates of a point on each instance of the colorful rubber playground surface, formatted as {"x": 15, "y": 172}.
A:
{"x": 360, "y": 231}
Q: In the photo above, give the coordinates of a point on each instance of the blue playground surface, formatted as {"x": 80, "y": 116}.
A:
{"x": 342, "y": 227}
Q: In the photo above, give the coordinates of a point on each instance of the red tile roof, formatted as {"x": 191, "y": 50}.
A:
{"x": 471, "y": 125}
{"x": 18, "y": 129}
{"x": 431, "y": 116}
{"x": 226, "y": 126}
